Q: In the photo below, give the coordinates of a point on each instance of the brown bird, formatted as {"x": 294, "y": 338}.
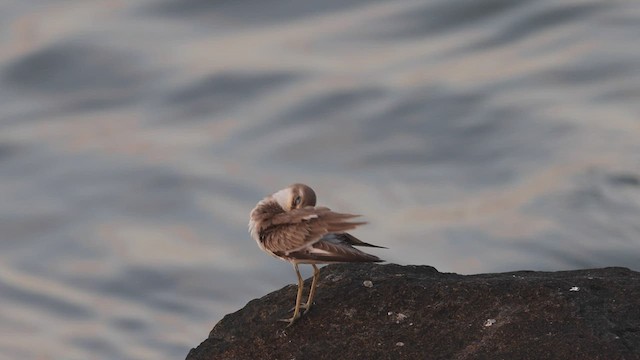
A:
{"x": 289, "y": 226}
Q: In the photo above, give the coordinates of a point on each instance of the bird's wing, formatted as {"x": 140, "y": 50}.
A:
{"x": 329, "y": 251}
{"x": 349, "y": 239}
{"x": 293, "y": 230}
{"x": 335, "y": 247}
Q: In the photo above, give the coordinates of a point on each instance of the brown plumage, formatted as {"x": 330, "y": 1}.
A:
{"x": 288, "y": 226}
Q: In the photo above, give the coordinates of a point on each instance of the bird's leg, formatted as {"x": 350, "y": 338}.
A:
{"x": 312, "y": 292}
{"x": 296, "y": 312}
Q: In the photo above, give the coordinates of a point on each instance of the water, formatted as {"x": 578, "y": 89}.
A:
{"x": 136, "y": 136}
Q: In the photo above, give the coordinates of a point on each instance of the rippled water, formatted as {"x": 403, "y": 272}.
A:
{"x": 135, "y": 137}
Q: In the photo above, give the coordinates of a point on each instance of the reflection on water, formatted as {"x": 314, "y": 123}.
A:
{"x": 136, "y": 136}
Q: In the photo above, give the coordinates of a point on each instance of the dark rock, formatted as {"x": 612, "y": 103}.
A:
{"x": 415, "y": 312}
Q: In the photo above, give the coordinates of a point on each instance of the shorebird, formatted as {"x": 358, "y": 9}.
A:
{"x": 289, "y": 226}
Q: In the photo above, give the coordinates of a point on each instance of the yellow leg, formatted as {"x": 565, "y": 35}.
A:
{"x": 296, "y": 312}
{"x": 312, "y": 292}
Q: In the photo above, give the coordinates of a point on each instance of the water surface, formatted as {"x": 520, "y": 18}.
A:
{"x": 136, "y": 136}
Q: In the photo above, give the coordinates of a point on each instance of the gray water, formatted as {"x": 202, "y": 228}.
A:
{"x": 136, "y": 136}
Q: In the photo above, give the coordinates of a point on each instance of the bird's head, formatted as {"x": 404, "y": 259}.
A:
{"x": 295, "y": 196}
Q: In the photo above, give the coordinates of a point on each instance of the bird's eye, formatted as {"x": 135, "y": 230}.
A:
{"x": 296, "y": 200}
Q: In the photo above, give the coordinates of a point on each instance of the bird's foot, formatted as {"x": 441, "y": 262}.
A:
{"x": 292, "y": 320}
{"x": 306, "y": 308}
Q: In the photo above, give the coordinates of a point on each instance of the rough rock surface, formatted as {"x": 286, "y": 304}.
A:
{"x": 415, "y": 312}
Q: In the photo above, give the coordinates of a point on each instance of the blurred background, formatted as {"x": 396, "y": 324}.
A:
{"x": 136, "y": 136}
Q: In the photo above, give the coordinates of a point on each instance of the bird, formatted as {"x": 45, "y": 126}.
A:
{"x": 289, "y": 226}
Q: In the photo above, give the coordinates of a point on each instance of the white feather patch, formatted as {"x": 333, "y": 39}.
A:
{"x": 282, "y": 197}
{"x": 319, "y": 251}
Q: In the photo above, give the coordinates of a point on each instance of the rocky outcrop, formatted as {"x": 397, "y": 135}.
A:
{"x": 367, "y": 311}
